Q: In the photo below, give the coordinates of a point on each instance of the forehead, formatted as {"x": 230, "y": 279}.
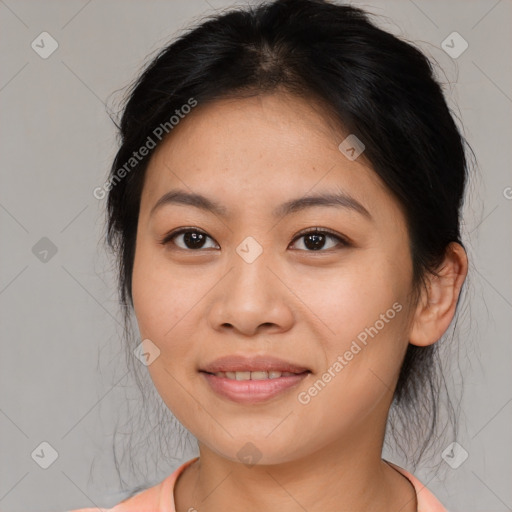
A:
{"x": 270, "y": 147}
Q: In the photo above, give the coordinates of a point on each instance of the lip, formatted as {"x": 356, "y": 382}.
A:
{"x": 236, "y": 363}
{"x": 252, "y": 391}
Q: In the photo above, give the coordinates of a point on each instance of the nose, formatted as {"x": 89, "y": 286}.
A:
{"x": 250, "y": 299}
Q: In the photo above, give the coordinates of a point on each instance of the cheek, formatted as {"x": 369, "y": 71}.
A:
{"x": 165, "y": 301}
{"x": 362, "y": 364}
{"x": 365, "y": 315}
{"x": 161, "y": 302}
{"x": 355, "y": 296}
{"x": 162, "y": 297}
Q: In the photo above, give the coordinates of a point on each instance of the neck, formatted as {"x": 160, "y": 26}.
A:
{"x": 348, "y": 476}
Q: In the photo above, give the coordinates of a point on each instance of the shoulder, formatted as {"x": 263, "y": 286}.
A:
{"x": 427, "y": 502}
{"x": 148, "y": 499}
{"x": 159, "y": 498}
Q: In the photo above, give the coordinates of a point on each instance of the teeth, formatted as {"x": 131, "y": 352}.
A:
{"x": 253, "y": 375}
{"x": 259, "y": 375}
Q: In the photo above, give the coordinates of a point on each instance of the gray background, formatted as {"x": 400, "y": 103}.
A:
{"x": 62, "y": 378}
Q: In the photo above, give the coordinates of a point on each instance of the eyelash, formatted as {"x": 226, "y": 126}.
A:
{"x": 342, "y": 241}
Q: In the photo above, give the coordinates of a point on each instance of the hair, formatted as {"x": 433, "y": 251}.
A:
{"x": 377, "y": 86}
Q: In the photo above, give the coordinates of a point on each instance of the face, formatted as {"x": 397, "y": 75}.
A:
{"x": 248, "y": 283}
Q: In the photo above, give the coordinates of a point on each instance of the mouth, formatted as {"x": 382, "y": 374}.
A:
{"x": 257, "y": 375}
{"x": 252, "y": 380}
{"x": 252, "y": 364}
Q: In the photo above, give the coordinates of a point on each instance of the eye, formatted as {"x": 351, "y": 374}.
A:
{"x": 192, "y": 238}
{"x": 315, "y": 239}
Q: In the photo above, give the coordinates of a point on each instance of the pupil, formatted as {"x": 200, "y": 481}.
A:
{"x": 318, "y": 241}
{"x": 193, "y": 239}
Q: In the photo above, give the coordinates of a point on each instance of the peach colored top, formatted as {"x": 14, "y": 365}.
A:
{"x": 160, "y": 497}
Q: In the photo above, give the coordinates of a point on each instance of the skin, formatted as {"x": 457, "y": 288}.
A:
{"x": 294, "y": 303}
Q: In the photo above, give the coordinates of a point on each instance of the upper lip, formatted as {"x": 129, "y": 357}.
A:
{"x": 260, "y": 363}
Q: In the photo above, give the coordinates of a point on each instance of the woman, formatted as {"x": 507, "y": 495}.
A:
{"x": 285, "y": 207}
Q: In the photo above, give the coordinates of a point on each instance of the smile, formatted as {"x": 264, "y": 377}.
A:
{"x": 246, "y": 375}
{"x": 252, "y": 387}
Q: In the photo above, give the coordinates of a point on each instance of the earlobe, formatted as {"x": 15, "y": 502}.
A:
{"x": 436, "y": 307}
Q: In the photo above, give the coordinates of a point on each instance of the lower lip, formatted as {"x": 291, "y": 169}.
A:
{"x": 252, "y": 391}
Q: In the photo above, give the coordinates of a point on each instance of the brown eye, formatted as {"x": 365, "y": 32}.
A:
{"x": 316, "y": 240}
{"x": 190, "y": 239}
{"x": 195, "y": 239}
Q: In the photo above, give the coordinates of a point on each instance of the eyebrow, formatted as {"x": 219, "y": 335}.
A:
{"x": 339, "y": 200}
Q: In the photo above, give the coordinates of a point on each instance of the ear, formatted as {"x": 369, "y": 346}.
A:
{"x": 436, "y": 306}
